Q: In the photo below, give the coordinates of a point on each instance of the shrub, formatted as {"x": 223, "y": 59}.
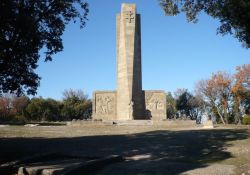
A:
{"x": 40, "y": 109}
{"x": 19, "y": 119}
{"x": 246, "y": 120}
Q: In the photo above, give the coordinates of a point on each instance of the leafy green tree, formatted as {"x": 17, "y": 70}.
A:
{"x": 171, "y": 106}
{"x": 35, "y": 109}
{"x": 189, "y": 105}
{"x": 246, "y": 103}
{"x": 28, "y": 26}
{"x": 182, "y": 103}
{"x": 40, "y": 109}
{"x": 52, "y": 112}
{"x": 76, "y": 105}
{"x": 233, "y": 15}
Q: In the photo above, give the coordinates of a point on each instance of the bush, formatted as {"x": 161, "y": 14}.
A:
{"x": 6, "y": 118}
{"x": 40, "y": 109}
{"x": 76, "y": 105}
{"x": 246, "y": 120}
{"x": 19, "y": 119}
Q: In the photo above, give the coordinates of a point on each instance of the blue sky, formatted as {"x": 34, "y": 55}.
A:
{"x": 175, "y": 53}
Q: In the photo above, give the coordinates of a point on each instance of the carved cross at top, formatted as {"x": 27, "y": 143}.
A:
{"x": 130, "y": 16}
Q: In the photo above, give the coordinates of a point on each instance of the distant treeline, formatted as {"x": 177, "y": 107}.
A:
{"x": 75, "y": 105}
{"x": 224, "y": 98}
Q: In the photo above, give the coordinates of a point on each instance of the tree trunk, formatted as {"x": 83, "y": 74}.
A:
{"x": 221, "y": 117}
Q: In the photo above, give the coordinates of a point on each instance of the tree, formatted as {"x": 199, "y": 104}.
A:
{"x": 28, "y": 26}
{"x": 19, "y": 105}
{"x": 12, "y": 106}
{"x": 233, "y": 15}
{"x": 217, "y": 91}
{"x": 188, "y": 104}
{"x": 171, "y": 106}
{"x": 196, "y": 107}
{"x": 74, "y": 95}
{"x": 241, "y": 89}
{"x": 5, "y": 107}
{"x": 76, "y": 105}
{"x": 246, "y": 103}
{"x": 182, "y": 104}
{"x": 40, "y": 109}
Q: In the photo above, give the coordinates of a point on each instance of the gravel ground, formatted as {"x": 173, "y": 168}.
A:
{"x": 156, "y": 149}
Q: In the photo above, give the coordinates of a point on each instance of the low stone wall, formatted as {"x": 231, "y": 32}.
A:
{"x": 84, "y": 122}
{"x": 170, "y": 123}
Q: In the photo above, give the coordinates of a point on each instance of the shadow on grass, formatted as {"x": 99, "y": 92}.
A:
{"x": 156, "y": 152}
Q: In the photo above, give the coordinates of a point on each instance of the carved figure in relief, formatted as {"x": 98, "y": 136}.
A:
{"x": 107, "y": 103}
{"x": 104, "y": 105}
{"x": 130, "y": 108}
{"x": 155, "y": 103}
{"x": 158, "y": 105}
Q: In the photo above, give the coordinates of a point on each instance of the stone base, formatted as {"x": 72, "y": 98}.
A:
{"x": 105, "y": 106}
{"x": 133, "y": 122}
{"x": 208, "y": 124}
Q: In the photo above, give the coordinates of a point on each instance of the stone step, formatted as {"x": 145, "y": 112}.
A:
{"x": 66, "y": 166}
{"x": 130, "y": 122}
{"x": 177, "y": 123}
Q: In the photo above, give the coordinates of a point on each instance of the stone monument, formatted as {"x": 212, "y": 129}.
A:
{"x": 129, "y": 101}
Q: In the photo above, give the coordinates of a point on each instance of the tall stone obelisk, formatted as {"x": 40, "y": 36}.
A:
{"x": 130, "y": 103}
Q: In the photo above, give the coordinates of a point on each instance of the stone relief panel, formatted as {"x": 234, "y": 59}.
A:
{"x": 155, "y": 101}
{"x": 105, "y": 103}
